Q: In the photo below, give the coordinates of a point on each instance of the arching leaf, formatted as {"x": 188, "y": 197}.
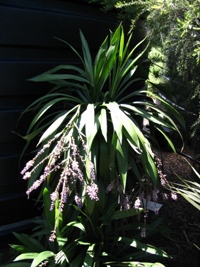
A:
{"x": 45, "y": 255}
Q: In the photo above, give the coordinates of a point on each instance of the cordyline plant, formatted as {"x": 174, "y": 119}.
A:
{"x": 92, "y": 151}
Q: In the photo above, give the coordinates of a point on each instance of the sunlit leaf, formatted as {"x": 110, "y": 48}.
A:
{"x": 45, "y": 108}
{"x": 103, "y": 123}
{"x": 143, "y": 246}
{"x": 91, "y": 125}
{"x": 26, "y": 256}
{"x": 56, "y": 124}
{"x": 61, "y": 258}
{"x": 89, "y": 257}
{"x": 117, "y": 123}
{"x": 169, "y": 107}
{"x": 168, "y": 139}
{"x": 45, "y": 255}
{"x": 121, "y": 47}
{"x": 77, "y": 224}
{"x": 19, "y": 248}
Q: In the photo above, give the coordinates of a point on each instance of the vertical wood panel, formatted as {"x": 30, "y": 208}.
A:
{"x": 27, "y": 48}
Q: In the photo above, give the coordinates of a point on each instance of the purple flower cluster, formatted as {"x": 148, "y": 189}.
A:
{"x": 78, "y": 201}
{"x": 159, "y": 167}
{"x": 110, "y": 187}
{"x": 92, "y": 191}
{"x": 126, "y": 202}
{"x": 137, "y": 203}
{"x": 66, "y": 158}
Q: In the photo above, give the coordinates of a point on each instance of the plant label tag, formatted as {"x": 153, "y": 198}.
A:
{"x": 150, "y": 205}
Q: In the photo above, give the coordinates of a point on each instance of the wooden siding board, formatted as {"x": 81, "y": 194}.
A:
{"x": 39, "y": 28}
{"x": 14, "y": 78}
{"x": 11, "y": 179}
{"x": 19, "y": 211}
{"x": 7, "y": 129}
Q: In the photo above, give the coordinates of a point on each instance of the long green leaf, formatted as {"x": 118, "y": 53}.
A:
{"x": 29, "y": 242}
{"x": 57, "y": 77}
{"x": 123, "y": 84}
{"x": 135, "y": 264}
{"x": 145, "y": 114}
{"x": 107, "y": 66}
{"x": 125, "y": 70}
{"x": 125, "y": 67}
{"x": 134, "y": 167}
{"x": 103, "y": 160}
{"x": 99, "y": 60}
{"x": 45, "y": 255}
{"x": 26, "y": 256}
{"x": 122, "y": 94}
{"x": 123, "y": 214}
{"x": 128, "y": 124}
{"x": 77, "y": 224}
{"x": 56, "y": 124}
{"x": 149, "y": 166}
{"x": 122, "y": 161}
{"x": 121, "y": 46}
{"x": 17, "y": 264}
{"x": 167, "y": 138}
{"x": 103, "y": 123}
{"x": 53, "y": 127}
{"x": 78, "y": 260}
{"x": 19, "y": 248}
{"x": 89, "y": 120}
{"x": 143, "y": 246}
{"x": 112, "y": 161}
{"x": 168, "y": 106}
{"x": 43, "y": 110}
{"x": 89, "y": 257}
{"x": 41, "y": 77}
{"x": 50, "y": 215}
{"x": 90, "y": 125}
{"x": 87, "y": 59}
{"x": 116, "y": 121}
{"x": 72, "y": 48}
{"x": 108, "y": 211}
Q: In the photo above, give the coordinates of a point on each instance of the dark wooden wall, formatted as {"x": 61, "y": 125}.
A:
{"x": 27, "y": 48}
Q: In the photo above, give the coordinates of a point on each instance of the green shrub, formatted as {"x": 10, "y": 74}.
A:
{"x": 93, "y": 161}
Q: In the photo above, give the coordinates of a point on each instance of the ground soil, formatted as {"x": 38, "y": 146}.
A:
{"x": 180, "y": 216}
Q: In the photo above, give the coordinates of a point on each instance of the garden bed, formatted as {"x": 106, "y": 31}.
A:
{"x": 180, "y": 217}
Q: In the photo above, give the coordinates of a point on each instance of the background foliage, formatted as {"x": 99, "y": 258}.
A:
{"x": 174, "y": 30}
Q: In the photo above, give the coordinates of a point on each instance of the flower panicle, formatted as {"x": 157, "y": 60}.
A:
{"x": 110, "y": 187}
{"x": 31, "y": 163}
{"x": 127, "y": 203}
{"x": 78, "y": 201}
{"x": 137, "y": 203}
{"x": 92, "y": 191}
{"x": 66, "y": 158}
{"x": 52, "y": 237}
